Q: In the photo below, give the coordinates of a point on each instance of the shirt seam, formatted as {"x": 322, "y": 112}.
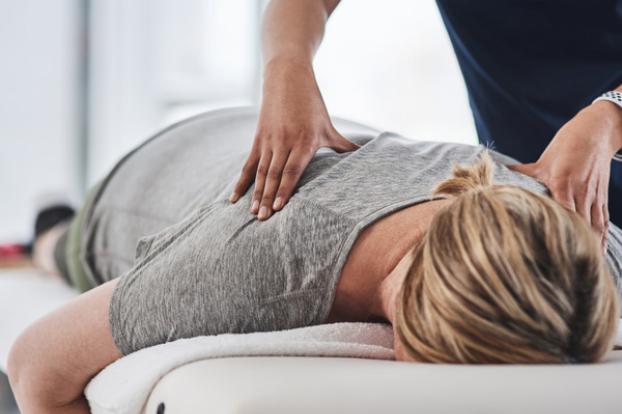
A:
{"x": 176, "y": 237}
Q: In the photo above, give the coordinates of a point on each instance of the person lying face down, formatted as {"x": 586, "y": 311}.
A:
{"x": 469, "y": 265}
{"x": 505, "y": 275}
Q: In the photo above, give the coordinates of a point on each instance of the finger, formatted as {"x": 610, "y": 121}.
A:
{"x": 260, "y": 179}
{"x": 273, "y": 179}
{"x": 564, "y": 197}
{"x": 527, "y": 169}
{"x": 292, "y": 171}
{"x": 597, "y": 212}
{"x": 606, "y": 220}
{"x": 597, "y": 219}
{"x": 605, "y": 208}
{"x": 583, "y": 206}
{"x": 246, "y": 177}
{"x": 340, "y": 143}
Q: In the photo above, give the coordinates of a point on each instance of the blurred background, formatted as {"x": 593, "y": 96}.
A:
{"x": 84, "y": 81}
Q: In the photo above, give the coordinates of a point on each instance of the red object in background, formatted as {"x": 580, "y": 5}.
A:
{"x": 10, "y": 251}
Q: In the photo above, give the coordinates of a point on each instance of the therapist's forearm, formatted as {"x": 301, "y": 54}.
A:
{"x": 292, "y": 30}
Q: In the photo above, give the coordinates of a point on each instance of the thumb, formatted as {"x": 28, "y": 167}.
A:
{"x": 527, "y": 169}
{"x": 341, "y": 144}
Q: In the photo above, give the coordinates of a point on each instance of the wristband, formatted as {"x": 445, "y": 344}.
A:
{"x": 616, "y": 98}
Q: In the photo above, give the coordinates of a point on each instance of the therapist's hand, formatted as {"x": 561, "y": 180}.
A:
{"x": 293, "y": 123}
{"x": 576, "y": 165}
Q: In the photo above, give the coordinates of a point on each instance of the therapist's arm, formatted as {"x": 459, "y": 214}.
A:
{"x": 293, "y": 120}
{"x": 576, "y": 165}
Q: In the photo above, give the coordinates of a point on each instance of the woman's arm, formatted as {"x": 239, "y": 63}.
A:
{"x": 53, "y": 360}
{"x": 293, "y": 120}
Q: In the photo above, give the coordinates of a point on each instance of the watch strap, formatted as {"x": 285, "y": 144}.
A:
{"x": 616, "y": 98}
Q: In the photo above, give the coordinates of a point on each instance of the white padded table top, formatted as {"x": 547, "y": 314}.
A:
{"x": 277, "y": 385}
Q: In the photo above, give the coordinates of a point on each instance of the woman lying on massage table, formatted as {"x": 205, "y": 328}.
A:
{"x": 469, "y": 264}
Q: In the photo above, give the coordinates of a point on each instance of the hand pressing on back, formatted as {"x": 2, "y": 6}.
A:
{"x": 293, "y": 123}
{"x": 576, "y": 165}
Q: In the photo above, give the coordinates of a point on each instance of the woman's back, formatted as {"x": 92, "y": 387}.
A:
{"x": 182, "y": 168}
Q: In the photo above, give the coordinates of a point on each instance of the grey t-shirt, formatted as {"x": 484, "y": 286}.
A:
{"x": 212, "y": 267}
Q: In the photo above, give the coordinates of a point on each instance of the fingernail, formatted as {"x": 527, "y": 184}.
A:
{"x": 263, "y": 212}
{"x": 277, "y": 203}
{"x": 233, "y": 198}
{"x": 255, "y": 206}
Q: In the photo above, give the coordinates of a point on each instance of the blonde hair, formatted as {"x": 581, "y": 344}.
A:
{"x": 506, "y": 275}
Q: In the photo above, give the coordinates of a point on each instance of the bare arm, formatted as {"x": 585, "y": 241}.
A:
{"x": 293, "y": 29}
{"x": 293, "y": 120}
{"x": 54, "y": 359}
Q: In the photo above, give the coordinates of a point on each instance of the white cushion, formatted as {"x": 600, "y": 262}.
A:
{"x": 301, "y": 385}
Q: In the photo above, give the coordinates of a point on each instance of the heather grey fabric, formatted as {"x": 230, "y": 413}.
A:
{"x": 204, "y": 266}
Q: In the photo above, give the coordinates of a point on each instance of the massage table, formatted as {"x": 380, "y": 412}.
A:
{"x": 327, "y": 369}
{"x": 311, "y": 384}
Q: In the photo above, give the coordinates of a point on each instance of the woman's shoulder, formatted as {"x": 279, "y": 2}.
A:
{"x": 389, "y": 169}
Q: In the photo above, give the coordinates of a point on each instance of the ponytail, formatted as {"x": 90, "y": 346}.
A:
{"x": 467, "y": 178}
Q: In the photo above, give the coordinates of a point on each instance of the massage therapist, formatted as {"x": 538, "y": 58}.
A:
{"x": 544, "y": 80}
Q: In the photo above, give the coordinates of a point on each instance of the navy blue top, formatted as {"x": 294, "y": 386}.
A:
{"x": 531, "y": 65}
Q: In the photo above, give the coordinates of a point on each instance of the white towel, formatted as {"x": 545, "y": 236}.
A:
{"x": 124, "y": 386}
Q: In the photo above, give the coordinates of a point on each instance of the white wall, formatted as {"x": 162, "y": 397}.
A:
{"x": 38, "y": 107}
{"x": 157, "y": 61}
{"x": 390, "y": 63}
